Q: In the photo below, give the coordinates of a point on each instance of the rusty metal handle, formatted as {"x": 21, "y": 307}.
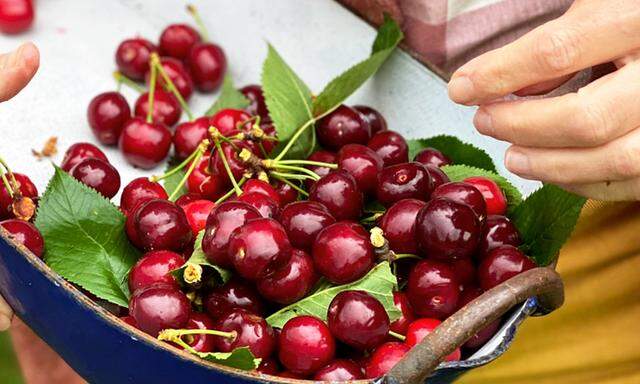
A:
{"x": 423, "y": 359}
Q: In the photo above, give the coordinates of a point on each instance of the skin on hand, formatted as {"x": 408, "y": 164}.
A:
{"x": 587, "y": 142}
{"x": 6, "y": 314}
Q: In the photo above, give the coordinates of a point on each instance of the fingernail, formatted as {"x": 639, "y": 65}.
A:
{"x": 483, "y": 122}
{"x": 461, "y": 89}
{"x": 517, "y": 162}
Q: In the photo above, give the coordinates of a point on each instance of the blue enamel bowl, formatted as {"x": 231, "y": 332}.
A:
{"x": 102, "y": 349}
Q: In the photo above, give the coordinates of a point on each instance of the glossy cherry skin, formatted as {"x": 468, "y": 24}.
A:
{"x": 342, "y": 252}
{"x": 257, "y": 107}
{"x": 201, "y": 343}
{"x": 197, "y": 213}
{"x": 494, "y": 197}
{"x": 358, "y": 320}
{"x": 362, "y": 163}
{"x": 262, "y": 187}
{"x": 339, "y": 192}
{"x": 303, "y": 220}
{"x": 384, "y": 358}
{"x": 159, "y": 307}
{"x": 343, "y": 126}
{"x": 99, "y": 175}
{"x": 139, "y": 191}
{"x": 339, "y": 370}
{"x": 501, "y": 264}
{"x": 161, "y": 224}
{"x": 26, "y": 187}
{"x": 290, "y": 282}
{"x": 144, "y": 145}
{"x": 131, "y": 230}
{"x": 206, "y": 183}
{"x": 437, "y": 175}
{"x": 129, "y": 320}
{"x": 390, "y": 146}
{"x": 375, "y": 118}
{"x": 236, "y": 165}
{"x": 465, "y": 271}
{"x": 403, "y": 181}
{"x": 78, "y": 152}
{"x": 235, "y": 294}
{"x": 497, "y": 230}
{"x": 189, "y": 135}
{"x": 132, "y": 57}
{"x": 231, "y": 121}
{"x": 166, "y": 109}
{"x": 401, "y": 302}
{"x": 446, "y": 230}
{"x": 398, "y": 225}
{"x": 433, "y": 289}
{"x": 287, "y": 193}
{"x": 107, "y": 114}
{"x": 324, "y": 157}
{"x": 207, "y": 66}
{"x": 16, "y": 16}
{"x": 252, "y": 332}
{"x": 25, "y": 233}
{"x": 177, "y": 74}
{"x": 263, "y": 203}
{"x": 420, "y": 328}
{"x": 187, "y": 198}
{"x": 258, "y": 248}
{"x": 176, "y": 40}
{"x": 269, "y": 366}
{"x": 155, "y": 267}
{"x": 431, "y": 156}
{"x": 463, "y": 193}
{"x": 306, "y": 345}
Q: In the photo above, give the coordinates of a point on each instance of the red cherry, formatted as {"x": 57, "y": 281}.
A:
{"x": 493, "y": 195}
{"x": 320, "y": 156}
{"x": 339, "y": 192}
{"x": 252, "y": 331}
{"x": 384, "y": 358}
{"x": 501, "y": 264}
{"x": 26, "y": 187}
{"x": 132, "y": 57}
{"x": 497, "y": 231}
{"x": 235, "y": 294}
{"x": 78, "y": 152}
{"x": 262, "y": 187}
{"x": 197, "y": 213}
{"x": 463, "y": 193}
{"x": 143, "y": 144}
{"x": 269, "y": 131}
{"x": 25, "y": 233}
{"x": 159, "y": 307}
{"x": 162, "y": 225}
{"x": 401, "y": 302}
{"x": 16, "y": 16}
{"x": 99, "y": 175}
{"x": 263, "y": 203}
{"x": 177, "y": 40}
{"x": 207, "y": 65}
{"x": 390, "y": 146}
{"x": 403, "y": 181}
{"x": 362, "y": 163}
{"x": 139, "y": 191}
{"x": 205, "y": 183}
{"x": 189, "y": 135}
{"x": 177, "y": 73}
{"x": 107, "y": 114}
{"x": 155, "y": 267}
{"x": 343, "y": 126}
{"x": 420, "y": 328}
{"x": 433, "y": 289}
{"x": 237, "y": 166}
{"x": 431, "y": 156}
{"x": 201, "y": 343}
{"x": 131, "y": 230}
{"x": 437, "y": 175}
{"x": 291, "y": 282}
{"x": 287, "y": 193}
{"x": 231, "y": 121}
{"x": 398, "y": 225}
{"x": 258, "y": 107}
{"x": 187, "y": 198}
{"x": 269, "y": 366}
{"x": 303, "y": 220}
{"x": 129, "y": 320}
{"x": 339, "y": 370}
{"x": 375, "y": 118}
{"x": 305, "y": 345}
{"x": 166, "y": 109}
{"x": 465, "y": 271}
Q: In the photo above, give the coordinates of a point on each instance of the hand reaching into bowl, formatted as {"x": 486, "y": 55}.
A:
{"x": 587, "y": 141}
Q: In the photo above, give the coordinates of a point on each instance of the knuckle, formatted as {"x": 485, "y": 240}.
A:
{"x": 594, "y": 125}
{"x": 558, "y": 51}
{"x": 626, "y": 160}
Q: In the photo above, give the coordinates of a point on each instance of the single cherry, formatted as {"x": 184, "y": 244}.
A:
{"x": 189, "y": 135}
{"x": 235, "y": 294}
{"x": 78, "y": 152}
{"x": 433, "y": 289}
{"x": 207, "y": 66}
{"x": 401, "y": 301}
{"x": 205, "y": 183}
{"x": 25, "y": 233}
{"x": 139, "y": 191}
{"x": 437, "y": 175}
{"x": 465, "y": 271}
{"x": 463, "y": 193}
{"x": 131, "y": 230}
{"x": 107, "y": 114}
{"x": 339, "y": 370}
{"x": 176, "y": 40}
{"x": 321, "y": 156}
{"x": 132, "y": 57}
{"x": 200, "y": 342}
{"x": 306, "y": 345}
{"x": 398, "y": 225}
{"x": 390, "y": 146}
{"x": 197, "y": 213}
{"x": 339, "y": 192}
{"x": 342, "y": 252}
{"x": 343, "y": 126}
{"x": 16, "y": 16}
{"x": 384, "y": 358}
{"x": 447, "y": 230}
{"x": 262, "y": 187}
{"x": 155, "y": 267}
{"x": 303, "y": 220}
{"x": 161, "y": 224}
{"x": 26, "y": 188}
{"x": 263, "y": 203}
{"x": 257, "y": 106}
{"x": 358, "y": 320}
{"x": 420, "y": 328}
{"x": 375, "y": 118}
{"x": 178, "y": 75}
{"x": 497, "y": 230}
{"x": 188, "y": 198}
{"x": 231, "y": 121}
{"x": 286, "y": 192}
{"x": 99, "y": 175}
{"x": 251, "y": 330}
{"x": 290, "y": 282}
{"x": 403, "y": 181}
{"x": 501, "y": 264}
{"x": 145, "y": 145}
{"x": 362, "y": 163}
{"x": 431, "y": 156}
{"x": 493, "y": 195}
{"x": 231, "y": 150}
{"x": 166, "y": 109}
{"x": 159, "y": 307}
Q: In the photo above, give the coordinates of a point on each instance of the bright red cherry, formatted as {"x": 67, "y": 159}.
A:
{"x": 303, "y": 220}
{"x": 78, "y": 152}
{"x": 375, "y": 118}
{"x": 207, "y": 65}
{"x": 155, "y": 267}
{"x": 398, "y": 225}
{"x": 358, "y": 320}
{"x": 235, "y": 294}
{"x": 339, "y": 192}
{"x": 479, "y": 339}
{"x": 201, "y": 343}
{"x": 342, "y": 252}
{"x": 177, "y": 74}
{"x": 401, "y": 302}
{"x": 189, "y": 135}
{"x": 493, "y": 195}
{"x": 501, "y": 264}
{"x": 463, "y": 193}
{"x": 159, "y": 307}
{"x": 497, "y": 231}
{"x": 139, "y": 191}
{"x": 403, "y": 181}
{"x": 132, "y": 57}
{"x": 437, "y": 175}
{"x": 237, "y": 166}
{"x": 206, "y": 183}
{"x": 252, "y": 331}
{"x": 431, "y": 156}
{"x": 16, "y": 16}
{"x": 107, "y": 114}
{"x": 26, "y": 188}
{"x": 25, "y": 233}
{"x": 161, "y": 224}
{"x": 287, "y": 193}
{"x": 390, "y": 146}
{"x": 433, "y": 289}
{"x": 343, "y": 126}
{"x": 166, "y": 109}
{"x": 339, "y": 370}
{"x": 187, "y": 198}
{"x": 144, "y": 145}
{"x": 305, "y": 345}
{"x": 290, "y": 282}
{"x": 258, "y": 107}
{"x": 263, "y": 203}
{"x": 99, "y": 175}
{"x": 362, "y": 163}
{"x": 130, "y": 320}
{"x": 420, "y": 328}
{"x": 384, "y": 358}
{"x": 177, "y": 40}
{"x": 262, "y": 187}
{"x": 197, "y": 213}
{"x": 231, "y": 121}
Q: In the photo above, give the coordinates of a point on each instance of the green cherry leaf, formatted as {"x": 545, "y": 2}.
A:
{"x": 240, "y": 358}
{"x": 458, "y": 151}
{"x": 170, "y": 183}
{"x": 198, "y": 257}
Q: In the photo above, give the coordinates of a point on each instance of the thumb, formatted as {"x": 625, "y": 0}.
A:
{"x": 16, "y": 69}
{"x": 5, "y": 315}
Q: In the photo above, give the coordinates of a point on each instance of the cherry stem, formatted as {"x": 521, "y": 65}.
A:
{"x": 230, "y": 192}
{"x": 175, "y": 169}
{"x": 264, "y": 151}
{"x": 196, "y": 17}
{"x": 309, "y": 162}
{"x": 400, "y": 256}
{"x": 11, "y": 185}
{"x": 291, "y": 176}
{"x": 280, "y": 166}
{"x": 155, "y": 60}
{"x": 152, "y": 91}
{"x": 372, "y": 218}
{"x": 292, "y": 185}
{"x": 397, "y": 336}
{"x": 122, "y": 79}
{"x": 236, "y": 187}
{"x": 175, "y": 335}
{"x": 293, "y": 140}
{"x": 196, "y": 160}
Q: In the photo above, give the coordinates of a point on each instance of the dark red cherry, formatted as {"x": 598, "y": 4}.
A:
{"x": 479, "y": 339}
{"x": 26, "y": 187}
{"x": 235, "y": 294}
{"x": 231, "y": 121}
{"x": 197, "y": 213}
{"x": 286, "y": 192}
{"x": 339, "y": 370}
{"x": 25, "y": 233}
{"x": 161, "y": 224}
{"x": 130, "y": 320}
{"x": 447, "y": 230}
{"x": 144, "y": 145}
{"x": 493, "y": 195}
{"x": 166, "y": 109}
{"x": 391, "y": 147}
{"x": 437, "y": 175}
{"x": 358, "y": 320}
{"x": 465, "y": 271}
{"x": 403, "y": 181}
{"x": 501, "y": 264}
{"x": 497, "y": 231}
{"x": 257, "y": 106}
{"x": 187, "y": 198}
{"x": 132, "y": 57}
{"x": 99, "y": 175}
{"x": 78, "y": 152}
{"x": 270, "y": 133}
{"x": 420, "y": 328}
{"x": 155, "y": 267}
{"x": 402, "y": 323}
{"x": 159, "y": 307}
{"x": 131, "y": 230}
{"x": 269, "y": 366}
{"x": 207, "y": 65}
{"x": 305, "y": 345}
{"x": 176, "y": 40}
{"x": 258, "y": 248}
{"x": 339, "y": 192}
{"x": 189, "y": 135}
{"x": 290, "y": 282}
{"x": 431, "y": 156}
{"x": 251, "y": 330}
{"x": 107, "y": 114}
{"x": 321, "y": 156}
{"x": 262, "y": 187}
{"x": 375, "y": 118}
{"x": 463, "y": 193}
{"x": 398, "y": 225}
{"x": 263, "y": 203}
{"x": 16, "y": 16}
{"x": 342, "y": 252}
{"x": 303, "y": 220}
{"x": 238, "y": 166}
{"x": 433, "y": 289}
{"x": 204, "y": 182}
{"x": 384, "y": 358}
{"x": 201, "y": 343}
{"x": 362, "y": 163}
{"x": 343, "y": 126}
{"x": 139, "y": 191}
{"x": 177, "y": 74}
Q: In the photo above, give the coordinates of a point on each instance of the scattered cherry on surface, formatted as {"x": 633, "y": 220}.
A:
{"x": 373, "y": 117}
{"x": 391, "y": 147}
{"x": 252, "y": 331}
{"x": 161, "y": 224}
{"x": 339, "y": 370}
{"x": 420, "y": 328}
{"x": 303, "y": 220}
{"x": 207, "y": 65}
{"x": 362, "y": 163}
{"x": 159, "y": 307}
{"x": 431, "y": 156}
{"x": 403, "y": 181}
{"x": 343, "y": 126}
{"x": 494, "y": 196}
{"x": 138, "y": 191}
{"x": 197, "y": 213}
{"x": 78, "y": 152}
{"x": 339, "y": 192}
{"x": 176, "y": 40}
{"x": 155, "y": 267}
{"x": 290, "y": 282}
{"x": 189, "y": 135}
{"x": 305, "y": 345}
{"x": 233, "y": 295}
{"x": 384, "y": 358}
{"x": 132, "y": 57}
{"x": 107, "y": 114}
{"x": 16, "y": 16}
{"x": 178, "y": 74}
{"x": 25, "y": 233}
{"x": 231, "y": 121}
{"x": 433, "y": 289}
{"x": 463, "y": 193}
{"x": 99, "y": 175}
{"x": 501, "y": 264}
{"x": 398, "y": 225}
{"x": 497, "y": 230}
{"x": 143, "y": 144}
{"x": 166, "y": 109}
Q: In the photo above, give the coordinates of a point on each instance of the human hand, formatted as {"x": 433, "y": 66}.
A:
{"x": 587, "y": 142}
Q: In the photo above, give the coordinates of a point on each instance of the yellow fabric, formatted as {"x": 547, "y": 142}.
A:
{"x": 595, "y": 336}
